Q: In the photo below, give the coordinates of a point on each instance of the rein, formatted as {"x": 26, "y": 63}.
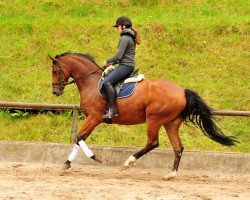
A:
{"x": 80, "y": 77}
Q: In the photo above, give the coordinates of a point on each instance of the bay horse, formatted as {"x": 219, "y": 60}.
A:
{"x": 156, "y": 102}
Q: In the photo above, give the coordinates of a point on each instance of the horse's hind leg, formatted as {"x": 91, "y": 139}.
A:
{"x": 152, "y": 142}
{"x": 172, "y": 129}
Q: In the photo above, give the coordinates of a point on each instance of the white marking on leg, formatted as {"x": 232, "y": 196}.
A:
{"x": 85, "y": 149}
{"x": 131, "y": 159}
{"x": 170, "y": 176}
{"x": 173, "y": 174}
{"x": 74, "y": 153}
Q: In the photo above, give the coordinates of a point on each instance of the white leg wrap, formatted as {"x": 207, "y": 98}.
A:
{"x": 74, "y": 153}
{"x": 131, "y": 159}
{"x": 85, "y": 149}
{"x": 173, "y": 173}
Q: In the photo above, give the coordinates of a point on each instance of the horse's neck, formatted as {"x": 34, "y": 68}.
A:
{"x": 86, "y": 83}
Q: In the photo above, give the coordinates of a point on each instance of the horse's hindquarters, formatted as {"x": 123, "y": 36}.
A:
{"x": 159, "y": 100}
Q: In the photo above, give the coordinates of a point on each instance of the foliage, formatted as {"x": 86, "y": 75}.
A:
{"x": 19, "y": 114}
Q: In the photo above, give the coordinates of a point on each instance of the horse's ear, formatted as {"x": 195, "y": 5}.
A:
{"x": 52, "y": 58}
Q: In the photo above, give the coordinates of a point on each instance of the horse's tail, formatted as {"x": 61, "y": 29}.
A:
{"x": 198, "y": 112}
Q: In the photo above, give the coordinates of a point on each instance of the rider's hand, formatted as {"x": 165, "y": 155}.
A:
{"x": 106, "y": 64}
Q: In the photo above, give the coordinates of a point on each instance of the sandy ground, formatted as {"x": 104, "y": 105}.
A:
{"x": 37, "y": 181}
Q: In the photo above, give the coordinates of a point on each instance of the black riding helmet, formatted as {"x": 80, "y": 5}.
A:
{"x": 123, "y": 21}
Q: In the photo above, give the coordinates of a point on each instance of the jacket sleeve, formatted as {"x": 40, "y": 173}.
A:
{"x": 121, "y": 49}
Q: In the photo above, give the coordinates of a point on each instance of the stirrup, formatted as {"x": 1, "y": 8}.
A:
{"x": 112, "y": 112}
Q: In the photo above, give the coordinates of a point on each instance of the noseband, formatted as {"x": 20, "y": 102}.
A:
{"x": 61, "y": 82}
{"x": 61, "y": 79}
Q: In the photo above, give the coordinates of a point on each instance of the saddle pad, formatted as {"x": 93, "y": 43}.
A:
{"x": 126, "y": 90}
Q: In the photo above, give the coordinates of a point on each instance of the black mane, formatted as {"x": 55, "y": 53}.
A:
{"x": 86, "y": 56}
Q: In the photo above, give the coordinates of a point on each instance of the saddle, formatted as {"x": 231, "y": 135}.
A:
{"x": 124, "y": 87}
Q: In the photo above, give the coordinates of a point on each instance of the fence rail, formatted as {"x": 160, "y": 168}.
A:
{"x": 38, "y": 106}
{"x": 44, "y": 106}
{"x": 75, "y": 108}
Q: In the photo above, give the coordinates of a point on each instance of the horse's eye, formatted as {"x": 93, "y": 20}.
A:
{"x": 54, "y": 72}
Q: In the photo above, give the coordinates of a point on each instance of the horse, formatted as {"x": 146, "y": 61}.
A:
{"x": 154, "y": 102}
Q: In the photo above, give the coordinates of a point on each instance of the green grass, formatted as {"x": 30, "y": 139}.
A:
{"x": 38, "y": 127}
{"x": 201, "y": 45}
{"x": 57, "y": 127}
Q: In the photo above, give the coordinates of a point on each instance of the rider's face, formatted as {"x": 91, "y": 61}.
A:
{"x": 119, "y": 28}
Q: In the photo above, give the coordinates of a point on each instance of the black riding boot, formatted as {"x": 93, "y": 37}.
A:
{"x": 111, "y": 95}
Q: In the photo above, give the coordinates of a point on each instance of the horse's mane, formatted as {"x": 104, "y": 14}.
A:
{"x": 86, "y": 56}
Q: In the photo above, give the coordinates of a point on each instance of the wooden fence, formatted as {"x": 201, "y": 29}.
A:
{"x": 76, "y": 109}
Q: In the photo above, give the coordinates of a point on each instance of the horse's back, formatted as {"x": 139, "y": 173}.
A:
{"x": 160, "y": 92}
{"x": 162, "y": 88}
{"x": 164, "y": 98}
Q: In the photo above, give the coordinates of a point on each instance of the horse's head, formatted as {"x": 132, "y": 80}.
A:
{"x": 60, "y": 76}
{"x": 76, "y": 65}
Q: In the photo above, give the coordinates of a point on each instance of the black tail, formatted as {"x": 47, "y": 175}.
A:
{"x": 200, "y": 114}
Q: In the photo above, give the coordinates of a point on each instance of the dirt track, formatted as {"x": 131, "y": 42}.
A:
{"x": 35, "y": 181}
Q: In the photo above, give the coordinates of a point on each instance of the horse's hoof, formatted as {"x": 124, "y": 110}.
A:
{"x": 66, "y": 166}
{"x": 170, "y": 176}
{"x": 97, "y": 159}
{"x": 130, "y": 162}
{"x": 124, "y": 167}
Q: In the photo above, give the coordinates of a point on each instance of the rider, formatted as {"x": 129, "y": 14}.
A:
{"x": 124, "y": 57}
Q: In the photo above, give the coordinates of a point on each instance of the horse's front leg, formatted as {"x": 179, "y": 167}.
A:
{"x": 86, "y": 130}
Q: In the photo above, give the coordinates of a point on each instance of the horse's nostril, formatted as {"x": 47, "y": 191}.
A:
{"x": 55, "y": 93}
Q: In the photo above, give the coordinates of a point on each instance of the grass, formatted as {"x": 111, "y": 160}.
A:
{"x": 36, "y": 127}
{"x": 56, "y": 127}
{"x": 201, "y": 45}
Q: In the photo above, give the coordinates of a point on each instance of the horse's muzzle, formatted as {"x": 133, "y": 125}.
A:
{"x": 57, "y": 92}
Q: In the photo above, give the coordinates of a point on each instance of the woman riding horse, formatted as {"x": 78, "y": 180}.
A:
{"x": 124, "y": 57}
{"x": 154, "y": 102}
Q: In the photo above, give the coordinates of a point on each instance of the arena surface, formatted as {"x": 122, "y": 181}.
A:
{"x": 38, "y": 181}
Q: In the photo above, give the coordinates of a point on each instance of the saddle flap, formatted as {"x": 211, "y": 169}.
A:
{"x": 124, "y": 87}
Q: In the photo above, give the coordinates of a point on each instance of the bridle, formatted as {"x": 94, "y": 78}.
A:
{"x": 61, "y": 74}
